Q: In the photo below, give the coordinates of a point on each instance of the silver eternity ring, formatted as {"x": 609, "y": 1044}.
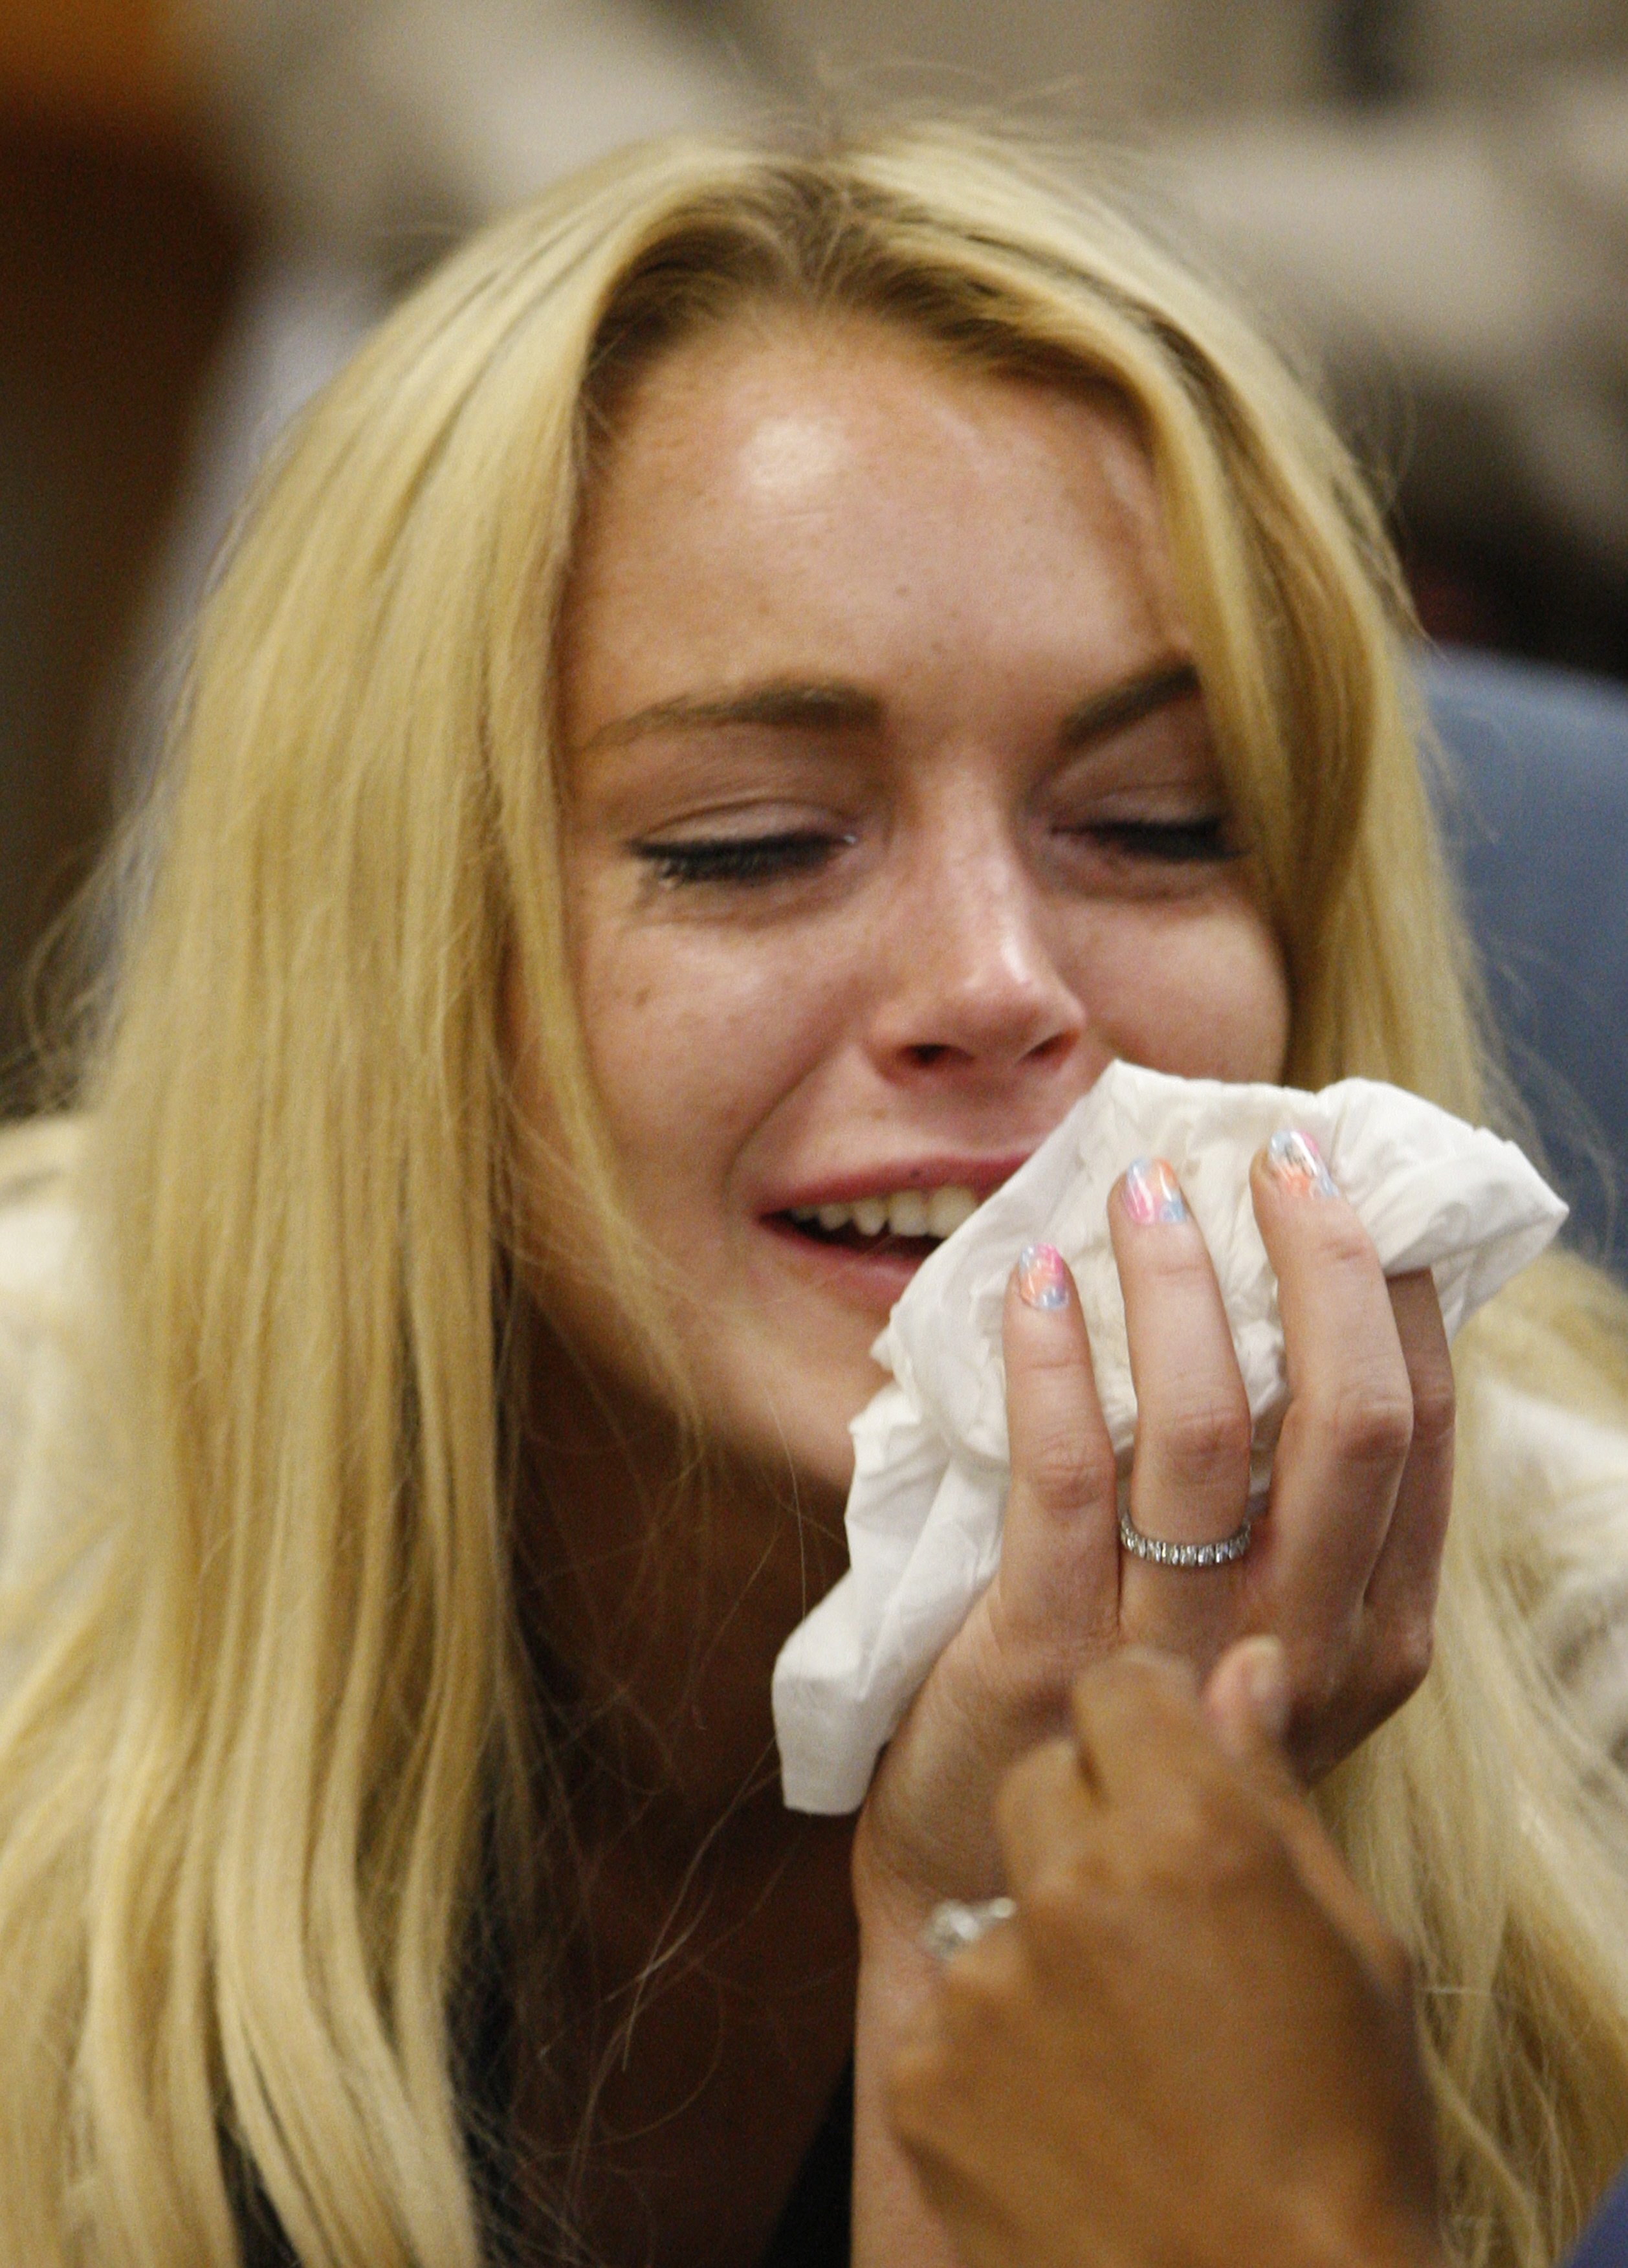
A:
{"x": 1162, "y": 1554}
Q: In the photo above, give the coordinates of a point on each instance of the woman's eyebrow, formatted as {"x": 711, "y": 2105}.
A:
{"x": 830, "y": 705}
{"x": 1118, "y": 705}
{"x": 788, "y": 704}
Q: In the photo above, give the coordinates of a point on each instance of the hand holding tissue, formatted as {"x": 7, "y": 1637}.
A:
{"x": 931, "y": 1474}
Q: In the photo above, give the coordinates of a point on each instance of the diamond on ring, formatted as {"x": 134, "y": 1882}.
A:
{"x": 952, "y": 1925}
{"x": 1161, "y": 1553}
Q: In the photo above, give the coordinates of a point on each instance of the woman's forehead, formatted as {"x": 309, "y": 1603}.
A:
{"x": 780, "y": 388}
{"x": 782, "y": 497}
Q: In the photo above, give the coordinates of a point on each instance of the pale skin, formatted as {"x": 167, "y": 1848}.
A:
{"x": 913, "y": 632}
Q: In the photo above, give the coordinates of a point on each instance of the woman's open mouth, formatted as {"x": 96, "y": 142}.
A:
{"x": 903, "y": 1227}
{"x": 916, "y": 1215}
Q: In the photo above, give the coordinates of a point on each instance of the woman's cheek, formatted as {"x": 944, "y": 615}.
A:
{"x": 1198, "y": 992}
{"x": 691, "y": 1049}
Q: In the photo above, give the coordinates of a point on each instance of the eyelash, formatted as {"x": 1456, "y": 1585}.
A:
{"x": 743, "y": 859}
{"x": 746, "y": 861}
{"x": 1173, "y": 842}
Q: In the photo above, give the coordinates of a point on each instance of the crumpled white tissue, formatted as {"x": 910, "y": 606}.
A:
{"x": 924, "y": 1515}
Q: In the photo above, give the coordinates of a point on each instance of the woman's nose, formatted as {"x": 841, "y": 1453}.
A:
{"x": 968, "y": 977}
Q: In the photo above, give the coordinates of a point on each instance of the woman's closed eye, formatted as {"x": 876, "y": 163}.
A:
{"x": 1201, "y": 840}
{"x": 742, "y": 861}
{"x": 753, "y": 861}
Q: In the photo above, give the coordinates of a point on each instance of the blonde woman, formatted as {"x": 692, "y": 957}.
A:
{"x": 761, "y": 678}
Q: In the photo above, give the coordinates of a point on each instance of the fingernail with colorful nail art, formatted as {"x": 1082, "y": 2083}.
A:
{"x": 1042, "y": 1278}
{"x": 1295, "y": 1161}
{"x": 1152, "y": 1192}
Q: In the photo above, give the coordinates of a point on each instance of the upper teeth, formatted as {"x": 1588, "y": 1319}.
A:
{"x": 908, "y": 1212}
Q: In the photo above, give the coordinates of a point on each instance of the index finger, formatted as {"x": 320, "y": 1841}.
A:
{"x": 1137, "y": 1727}
{"x": 1141, "y": 1732}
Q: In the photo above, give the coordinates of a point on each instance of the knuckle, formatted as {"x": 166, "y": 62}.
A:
{"x": 1175, "y": 1841}
{"x": 1435, "y": 1409}
{"x": 1367, "y": 1424}
{"x": 1343, "y": 1242}
{"x": 1061, "y": 1911}
{"x": 1208, "y": 1837}
{"x": 1319, "y": 1672}
{"x": 1208, "y": 1850}
{"x": 924, "y": 2089}
{"x": 1204, "y": 1433}
{"x": 1410, "y": 1650}
{"x": 1064, "y": 1470}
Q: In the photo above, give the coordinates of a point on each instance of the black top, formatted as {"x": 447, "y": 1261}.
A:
{"x": 813, "y": 2232}
{"x": 814, "y": 2229}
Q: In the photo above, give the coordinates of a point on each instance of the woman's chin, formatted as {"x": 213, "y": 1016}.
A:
{"x": 788, "y": 1402}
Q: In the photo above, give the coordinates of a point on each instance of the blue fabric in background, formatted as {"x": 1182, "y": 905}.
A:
{"x": 1536, "y": 817}
{"x": 1534, "y": 812}
{"x": 1605, "y": 2241}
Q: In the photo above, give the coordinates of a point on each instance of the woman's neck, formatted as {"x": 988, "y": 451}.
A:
{"x": 709, "y": 2024}
{"x": 657, "y": 1589}
{"x": 711, "y": 1990}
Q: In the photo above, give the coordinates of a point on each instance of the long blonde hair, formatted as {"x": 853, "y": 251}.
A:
{"x": 247, "y": 1784}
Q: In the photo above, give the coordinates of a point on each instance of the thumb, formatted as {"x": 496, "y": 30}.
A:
{"x": 1247, "y": 1700}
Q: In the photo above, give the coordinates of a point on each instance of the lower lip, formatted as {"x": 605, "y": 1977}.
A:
{"x": 873, "y": 1280}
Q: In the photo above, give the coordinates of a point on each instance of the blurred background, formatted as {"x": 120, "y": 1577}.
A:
{"x": 203, "y": 203}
